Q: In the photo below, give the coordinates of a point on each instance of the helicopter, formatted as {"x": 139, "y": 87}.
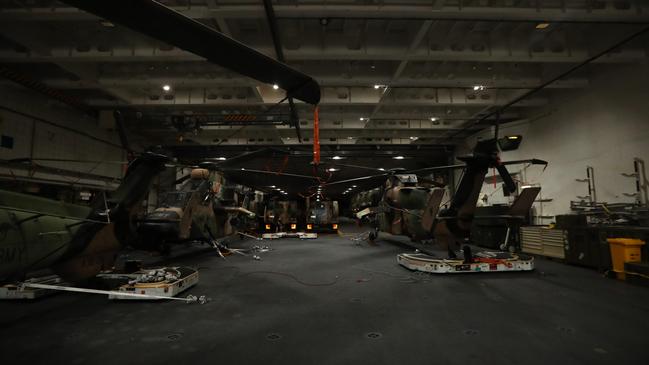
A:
{"x": 322, "y": 215}
{"x": 407, "y": 209}
{"x": 194, "y": 212}
{"x": 281, "y": 215}
{"x": 75, "y": 241}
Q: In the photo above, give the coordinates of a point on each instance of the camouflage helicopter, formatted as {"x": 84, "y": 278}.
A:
{"x": 405, "y": 208}
{"x": 408, "y": 209}
{"x": 194, "y": 212}
{"x": 281, "y": 215}
{"x": 365, "y": 199}
{"x": 322, "y": 215}
{"x": 75, "y": 241}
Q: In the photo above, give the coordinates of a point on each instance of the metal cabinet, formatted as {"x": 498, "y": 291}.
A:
{"x": 540, "y": 240}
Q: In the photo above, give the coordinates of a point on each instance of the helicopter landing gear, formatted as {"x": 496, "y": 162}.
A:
{"x": 468, "y": 255}
{"x": 372, "y": 236}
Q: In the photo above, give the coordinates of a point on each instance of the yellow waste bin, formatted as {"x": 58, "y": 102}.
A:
{"x": 624, "y": 250}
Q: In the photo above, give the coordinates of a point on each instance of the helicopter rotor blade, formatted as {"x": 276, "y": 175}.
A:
{"x": 435, "y": 168}
{"x": 533, "y": 161}
{"x": 218, "y": 164}
{"x": 167, "y": 25}
{"x": 121, "y": 131}
{"x": 245, "y": 170}
{"x": 510, "y": 185}
{"x": 336, "y": 164}
{"x": 356, "y": 179}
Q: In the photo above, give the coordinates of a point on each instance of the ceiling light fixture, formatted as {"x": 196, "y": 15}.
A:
{"x": 398, "y": 157}
{"x": 433, "y": 119}
{"x": 275, "y": 87}
{"x": 166, "y": 87}
{"x": 478, "y": 87}
{"x": 361, "y": 119}
{"x": 336, "y": 158}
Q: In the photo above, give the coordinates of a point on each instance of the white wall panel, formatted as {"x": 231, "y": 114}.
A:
{"x": 604, "y": 126}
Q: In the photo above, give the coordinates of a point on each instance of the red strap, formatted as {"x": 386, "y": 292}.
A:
{"x": 316, "y": 137}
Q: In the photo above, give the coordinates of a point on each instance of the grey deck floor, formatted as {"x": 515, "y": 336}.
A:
{"x": 329, "y": 301}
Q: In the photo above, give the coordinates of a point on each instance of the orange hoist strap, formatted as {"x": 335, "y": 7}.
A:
{"x": 316, "y": 137}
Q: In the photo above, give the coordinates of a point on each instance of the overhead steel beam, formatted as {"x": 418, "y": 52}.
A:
{"x": 196, "y": 99}
{"x": 151, "y": 54}
{"x": 220, "y": 21}
{"x": 459, "y": 81}
{"x": 383, "y": 11}
{"x": 419, "y": 36}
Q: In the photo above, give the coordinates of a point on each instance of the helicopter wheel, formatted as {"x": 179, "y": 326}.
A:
{"x": 372, "y": 236}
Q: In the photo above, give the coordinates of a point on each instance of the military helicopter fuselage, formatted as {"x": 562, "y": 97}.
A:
{"x": 411, "y": 210}
{"x": 407, "y": 208}
{"x": 191, "y": 213}
{"x": 75, "y": 241}
{"x": 281, "y": 215}
{"x": 322, "y": 216}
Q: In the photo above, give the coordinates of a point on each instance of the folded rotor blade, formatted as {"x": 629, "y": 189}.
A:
{"x": 182, "y": 179}
{"x": 510, "y": 185}
{"x": 121, "y": 131}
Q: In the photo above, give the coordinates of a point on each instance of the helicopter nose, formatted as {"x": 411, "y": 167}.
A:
{"x": 161, "y": 224}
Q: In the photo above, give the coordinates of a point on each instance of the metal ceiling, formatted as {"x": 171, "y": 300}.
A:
{"x": 392, "y": 72}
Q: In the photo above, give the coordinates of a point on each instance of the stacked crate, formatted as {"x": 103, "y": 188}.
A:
{"x": 540, "y": 240}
